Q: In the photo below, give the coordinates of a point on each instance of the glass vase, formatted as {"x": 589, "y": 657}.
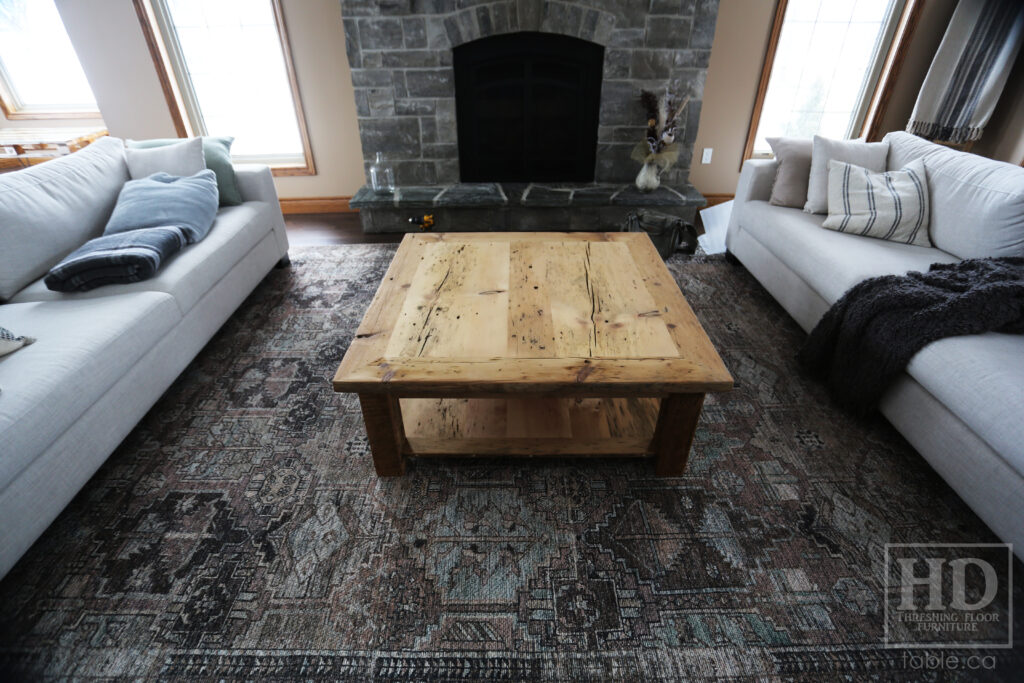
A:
{"x": 382, "y": 177}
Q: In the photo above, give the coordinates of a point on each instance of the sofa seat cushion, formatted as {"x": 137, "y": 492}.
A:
{"x": 979, "y": 379}
{"x": 831, "y": 262}
{"x": 82, "y": 348}
{"x": 194, "y": 270}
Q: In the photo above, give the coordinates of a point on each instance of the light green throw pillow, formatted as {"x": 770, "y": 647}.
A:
{"x": 217, "y": 151}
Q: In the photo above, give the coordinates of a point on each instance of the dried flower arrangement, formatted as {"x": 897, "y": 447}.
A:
{"x": 659, "y": 150}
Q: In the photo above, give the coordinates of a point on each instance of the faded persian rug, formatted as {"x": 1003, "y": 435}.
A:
{"x": 240, "y": 532}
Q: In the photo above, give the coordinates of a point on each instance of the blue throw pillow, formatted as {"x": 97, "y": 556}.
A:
{"x": 188, "y": 203}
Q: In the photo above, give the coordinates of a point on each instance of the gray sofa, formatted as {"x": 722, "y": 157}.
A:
{"x": 102, "y": 358}
{"x": 960, "y": 402}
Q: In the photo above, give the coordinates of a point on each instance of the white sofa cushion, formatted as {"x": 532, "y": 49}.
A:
{"x": 892, "y": 205}
{"x": 49, "y": 210}
{"x": 869, "y": 155}
{"x": 180, "y": 159}
{"x": 831, "y": 262}
{"x": 979, "y": 379}
{"x": 977, "y": 204}
{"x": 82, "y": 348}
{"x": 194, "y": 270}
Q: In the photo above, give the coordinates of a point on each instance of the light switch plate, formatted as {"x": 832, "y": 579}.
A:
{"x": 705, "y": 158}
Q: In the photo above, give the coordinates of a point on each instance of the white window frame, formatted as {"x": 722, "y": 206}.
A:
{"x": 13, "y": 108}
{"x": 866, "y": 114}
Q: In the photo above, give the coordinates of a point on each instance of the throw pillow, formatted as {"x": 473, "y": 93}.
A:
{"x": 163, "y": 200}
{"x": 869, "y": 155}
{"x": 217, "y": 152}
{"x": 794, "y": 157}
{"x": 10, "y": 342}
{"x": 890, "y": 206}
{"x": 180, "y": 159}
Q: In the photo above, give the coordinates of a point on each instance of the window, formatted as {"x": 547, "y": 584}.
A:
{"x": 231, "y": 67}
{"x": 40, "y": 76}
{"x": 824, "y": 69}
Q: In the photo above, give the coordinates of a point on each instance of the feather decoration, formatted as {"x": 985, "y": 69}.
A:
{"x": 659, "y": 146}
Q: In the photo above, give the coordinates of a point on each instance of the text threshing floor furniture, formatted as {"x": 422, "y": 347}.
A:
{"x": 530, "y": 344}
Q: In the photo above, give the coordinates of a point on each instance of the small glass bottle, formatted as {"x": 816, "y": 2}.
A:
{"x": 382, "y": 178}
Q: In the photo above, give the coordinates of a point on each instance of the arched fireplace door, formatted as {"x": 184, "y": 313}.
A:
{"x": 527, "y": 107}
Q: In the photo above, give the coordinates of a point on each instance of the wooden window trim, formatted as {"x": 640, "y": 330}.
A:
{"x": 898, "y": 49}
{"x": 175, "y": 100}
{"x": 762, "y": 84}
{"x": 883, "y": 90}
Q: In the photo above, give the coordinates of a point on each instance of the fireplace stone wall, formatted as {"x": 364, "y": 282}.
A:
{"x": 400, "y": 56}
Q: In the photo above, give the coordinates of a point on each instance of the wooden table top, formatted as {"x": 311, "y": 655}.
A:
{"x": 552, "y": 313}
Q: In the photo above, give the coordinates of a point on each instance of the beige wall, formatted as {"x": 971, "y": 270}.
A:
{"x": 110, "y": 44}
{"x": 741, "y": 38}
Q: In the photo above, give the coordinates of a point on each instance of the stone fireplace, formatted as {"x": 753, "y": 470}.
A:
{"x": 403, "y": 55}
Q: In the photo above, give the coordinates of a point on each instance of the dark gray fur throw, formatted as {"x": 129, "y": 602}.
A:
{"x": 867, "y": 338}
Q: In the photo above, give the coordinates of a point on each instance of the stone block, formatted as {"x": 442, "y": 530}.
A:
{"x": 471, "y": 194}
{"x": 373, "y": 59}
{"x": 359, "y": 8}
{"x": 704, "y": 16}
{"x": 430, "y": 82}
{"x": 484, "y": 21}
{"x": 626, "y": 37}
{"x": 381, "y": 101}
{"x": 432, "y": 6}
{"x": 380, "y": 33}
{"x": 560, "y": 17}
{"x": 396, "y": 137}
{"x": 651, "y": 63}
{"x": 437, "y": 34}
{"x": 409, "y": 107}
{"x": 447, "y": 170}
{"x": 633, "y": 134}
{"x": 670, "y": 32}
{"x": 411, "y": 59}
{"x": 692, "y": 122}
{"x": 371, "y": 78}
{"x": 691, "y": 58}
{"x": 616, "y": 62}
{"x": 393, "y": 7}
{"x": 672, "y": 7}
{"x": 352, "y": 47}
{"x": 414, "y": 29}
{"x": 530, "y": 13}
{"x": 603, "y": 31}
{"x": 540, "y": 195}
{"x": 539, "y": 219}
{"x": 595, "y": 195}
{"x": 471, "y": 220}
{"x": 362, "y": 102}
{"x": 688, "y": 83}
{"x": 619, "y": 104}
{"x": 440, "y": 150}
{"x": 398, "y": 83}
{"x": 428, "y": 126}
{"x": 501, "y": 19}
{"x": 614, "y": 163}
{"x": 415, "y": 172}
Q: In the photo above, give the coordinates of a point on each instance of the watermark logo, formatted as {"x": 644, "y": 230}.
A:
{"x": 948, "y": 595}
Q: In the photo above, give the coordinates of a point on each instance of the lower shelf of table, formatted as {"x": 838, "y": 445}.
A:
{"x": 529, "y": 426}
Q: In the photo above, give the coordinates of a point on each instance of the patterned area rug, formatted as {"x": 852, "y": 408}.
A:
{"x": 240, "y": 532}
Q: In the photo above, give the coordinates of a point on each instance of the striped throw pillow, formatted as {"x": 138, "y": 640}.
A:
{"x": 890, "y": 206}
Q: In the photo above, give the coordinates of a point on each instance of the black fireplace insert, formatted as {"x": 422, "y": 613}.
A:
{"x": 527, "y": 107}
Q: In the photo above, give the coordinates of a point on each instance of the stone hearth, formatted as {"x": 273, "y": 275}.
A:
{"x": 400, "y": 53}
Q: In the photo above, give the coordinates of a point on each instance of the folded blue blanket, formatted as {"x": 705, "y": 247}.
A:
{"x": 122, "y": 257}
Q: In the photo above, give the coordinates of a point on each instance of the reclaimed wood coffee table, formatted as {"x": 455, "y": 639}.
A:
{"x": 530, "y": 344}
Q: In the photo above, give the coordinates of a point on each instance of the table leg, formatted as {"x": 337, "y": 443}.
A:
{"x": 383, "y": 417}
{"x": 677, "y": 423}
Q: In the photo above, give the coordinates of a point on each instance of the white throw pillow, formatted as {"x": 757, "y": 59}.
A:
{"x": 869, "y": 155}
{"x": 180, "y": 159}
{"x": 890, "y": 206}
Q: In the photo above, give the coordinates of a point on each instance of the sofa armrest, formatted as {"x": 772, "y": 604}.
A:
{"x": 756, "y": 179}
{"x": 256, "y": 183}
